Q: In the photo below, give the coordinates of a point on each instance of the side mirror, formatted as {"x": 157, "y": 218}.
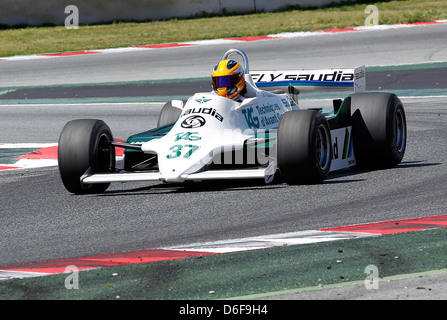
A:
{"x": 177, "y": 104}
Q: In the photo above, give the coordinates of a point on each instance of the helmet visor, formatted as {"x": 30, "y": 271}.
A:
{"x": 226, "y": 81}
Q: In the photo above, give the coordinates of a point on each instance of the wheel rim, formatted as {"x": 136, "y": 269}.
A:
{"x": 323, "y": 148}
{"x": 400, "y": 131}
{"x": 105, "y": 154}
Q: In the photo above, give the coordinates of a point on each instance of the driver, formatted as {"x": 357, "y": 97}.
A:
{"x": 228, "y": 80}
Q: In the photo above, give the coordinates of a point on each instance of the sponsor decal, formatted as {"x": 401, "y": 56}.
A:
{"x": 193, "y": 122}
{"x": 189, "y": 136}
{"x": 360, "y": 74}
{"x": 252, "y": 122}
{"x": 328, "y": 75}
{"x": 184, "y": 151}
{"x": 202, "y": 100}
{"x": 347, "y": 146}
{"x": 209, "y": 111}
{"x": 342, "y": 148}
{"x": 268, "y": 115}
{"x": 287, "y": 103}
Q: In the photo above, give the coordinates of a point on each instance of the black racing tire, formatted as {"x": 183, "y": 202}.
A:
{"x": 168, "y": 114}
{"x": 84, "y": 145}
{"x": 379, "y": 129}
{"x": 304, "y": 147}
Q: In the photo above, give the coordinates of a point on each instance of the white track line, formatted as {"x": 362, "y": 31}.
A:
{"x": 270, "y": 241}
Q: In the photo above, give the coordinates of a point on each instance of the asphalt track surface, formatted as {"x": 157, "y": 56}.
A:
{"x": 41, "y": 221}
{"x": 413, "y": 44}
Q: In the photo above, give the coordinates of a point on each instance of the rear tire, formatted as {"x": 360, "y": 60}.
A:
{"x": 379, "y": 129}
{"x": 84, "y": 144}
{"x": 304, "y": 147}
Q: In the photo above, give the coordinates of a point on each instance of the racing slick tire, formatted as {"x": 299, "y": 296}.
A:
{"x": 379, "y": 129}
{"x": 168, "y": 114}
{"x": 304, "y": 147}
{"x": 84, "y": 145}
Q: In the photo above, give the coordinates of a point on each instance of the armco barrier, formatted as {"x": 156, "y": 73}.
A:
{"x": 30, "y": 12}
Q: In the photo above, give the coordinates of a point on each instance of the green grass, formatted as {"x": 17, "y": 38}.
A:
{"x": 32, "y": 40}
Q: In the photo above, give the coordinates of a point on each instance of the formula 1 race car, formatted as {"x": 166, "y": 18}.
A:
{"x": 211, "y": 137}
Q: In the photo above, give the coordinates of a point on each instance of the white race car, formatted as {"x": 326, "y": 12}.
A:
{"x": 210, "y": 137}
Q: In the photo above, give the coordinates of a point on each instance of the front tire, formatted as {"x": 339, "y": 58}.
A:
{"x": 84, "y": 145}
{"x": 304, "y": 147}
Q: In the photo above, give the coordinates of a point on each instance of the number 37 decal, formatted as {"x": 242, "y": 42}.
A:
{"x": 187, "y": 149}
{"x": 178, "y": 150}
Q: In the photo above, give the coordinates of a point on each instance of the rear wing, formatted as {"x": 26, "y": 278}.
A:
{"x": 311, "y": 80}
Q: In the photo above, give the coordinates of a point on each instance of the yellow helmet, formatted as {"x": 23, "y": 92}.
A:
{"x": 228, "y": 79}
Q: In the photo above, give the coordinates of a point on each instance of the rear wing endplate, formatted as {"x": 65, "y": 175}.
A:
{"x": 312, "y": 80}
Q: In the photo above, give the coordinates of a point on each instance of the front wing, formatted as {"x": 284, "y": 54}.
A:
{"x": 265, "y": 173}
